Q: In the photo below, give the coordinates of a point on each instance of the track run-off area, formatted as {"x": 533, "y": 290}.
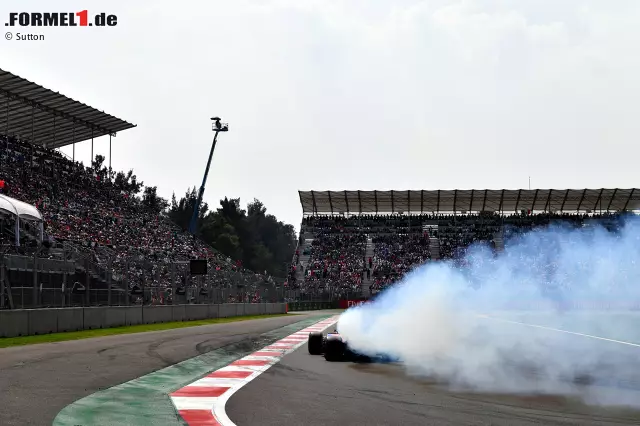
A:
{"x": 147, "y": 379}
{"x": 107, "y": 380}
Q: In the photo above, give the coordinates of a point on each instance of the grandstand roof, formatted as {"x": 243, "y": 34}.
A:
{"x": 27, "y": 107}
{"x": 19, "y": 208}
{"x": 469, "y": 200}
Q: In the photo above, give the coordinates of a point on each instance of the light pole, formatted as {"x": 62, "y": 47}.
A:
{"x": 217, "y": 127}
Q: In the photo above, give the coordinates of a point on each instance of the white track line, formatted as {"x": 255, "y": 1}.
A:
{"x": 203, "y": 401}
{"x": 561, "y": 331}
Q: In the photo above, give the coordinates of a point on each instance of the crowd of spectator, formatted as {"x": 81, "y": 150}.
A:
{"x": 367, "y": 224}
{"x": 402, "y": 242}
{"x": 337, "y": 261}
{"x": 455, "y": 238}
{"x": 85, "y": 211}
{"x": 395, "y": 255}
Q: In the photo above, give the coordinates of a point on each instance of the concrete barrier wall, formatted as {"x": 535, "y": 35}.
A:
{"x": 253, "y": 309}
{"x": 227, "y": 310}
{"x": 239, "y": 309}
{"x": 95, "y": 318}
{"x": 196, "y": 312}
{"x": 214, "y": 311}
{"x": 26, "y": 322}
{"x": 132, "y": 315}
{"x": 157, "y": 314}
{"x": 43, "y": 321}
{"x": 14, "y": 323}
{"x": 69, "y": 319}
{"x": 276, "y": 308}
{"x": 116, "y": 316}
{"x": 179, "y": 313}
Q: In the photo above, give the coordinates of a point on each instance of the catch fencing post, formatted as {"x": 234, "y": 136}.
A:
{"x": 127, "y": 297}
{"x": 87, "y": 297}
{"x": 34, "y": 301}
{"x": 64, "y": 287}
{"x": 2, "y": 288}
{"x": 109, "y": 275}
{"x": 173, "y": 283}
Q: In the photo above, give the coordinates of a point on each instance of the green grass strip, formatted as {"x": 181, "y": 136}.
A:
{"x": 6, "y": 342}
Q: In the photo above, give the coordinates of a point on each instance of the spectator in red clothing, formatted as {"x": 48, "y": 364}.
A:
{"x": 94, "y": 216}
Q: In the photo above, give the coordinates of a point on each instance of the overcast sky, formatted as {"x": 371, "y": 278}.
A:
{"x": 352, "y": 94}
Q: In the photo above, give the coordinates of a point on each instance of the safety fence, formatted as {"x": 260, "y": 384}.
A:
{"x": 311, "y": 294}
{"x": 312, "y": 306}
{"x": 70, "y": 278}
{"x": 28, "y": 322}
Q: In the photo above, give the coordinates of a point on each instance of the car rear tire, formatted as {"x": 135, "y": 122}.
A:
{"x": 316, "y": 343}
{"x": 334, "y": 350}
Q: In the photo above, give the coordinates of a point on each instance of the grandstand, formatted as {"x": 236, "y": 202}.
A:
{"x": 355, "y": 243}
{"x": 73, "y": 235}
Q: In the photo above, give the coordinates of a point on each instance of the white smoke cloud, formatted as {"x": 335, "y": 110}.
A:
{"x": 475, "y": 326}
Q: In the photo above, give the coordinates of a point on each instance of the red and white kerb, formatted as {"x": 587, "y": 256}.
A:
{"x": 202, "y": 403}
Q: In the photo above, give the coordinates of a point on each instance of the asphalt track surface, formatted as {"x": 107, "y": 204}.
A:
{"x": 37, "y": 381}
{"x": 306, "y": 389}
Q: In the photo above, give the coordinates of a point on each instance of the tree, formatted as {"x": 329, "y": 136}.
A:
{"x": 252, "y": 236}
{"x": 128, "y": 183}
{"x": 152, "y": 201}
{"x": 98, "y": 167}
{"x": 276, "y": 237}
{"x": 98, "y": 163}
{"x": 181, "y": 211}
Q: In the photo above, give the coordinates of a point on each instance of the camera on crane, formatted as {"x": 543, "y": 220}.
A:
{"x": 218, "y": 126}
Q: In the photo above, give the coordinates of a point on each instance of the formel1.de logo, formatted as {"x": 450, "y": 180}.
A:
{"x": 61, "y": 19}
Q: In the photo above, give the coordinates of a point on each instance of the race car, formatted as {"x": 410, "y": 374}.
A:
{"x": 334, "y": 347}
